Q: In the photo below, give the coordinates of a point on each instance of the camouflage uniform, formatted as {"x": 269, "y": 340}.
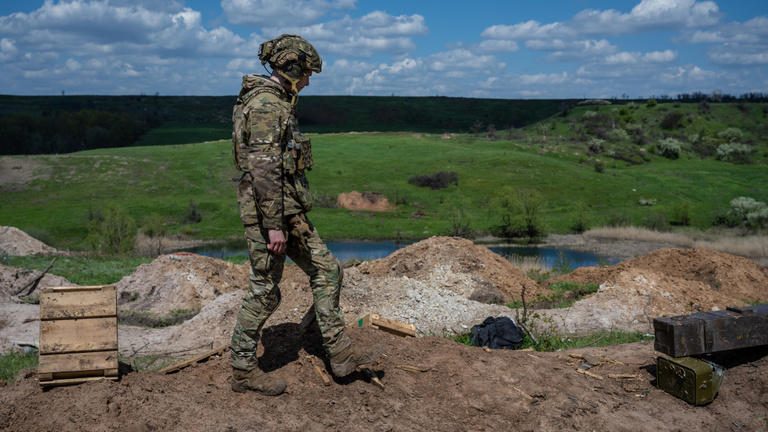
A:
{"x": 272, "y": 194}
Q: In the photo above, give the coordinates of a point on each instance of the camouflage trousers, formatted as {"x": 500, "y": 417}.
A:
{"x": 309, "y": 252}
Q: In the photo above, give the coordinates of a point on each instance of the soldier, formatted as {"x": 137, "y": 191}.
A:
{"x": 273, "y": 196}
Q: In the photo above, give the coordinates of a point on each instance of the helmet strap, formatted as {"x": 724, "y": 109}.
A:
{"x": 294, "y": 82}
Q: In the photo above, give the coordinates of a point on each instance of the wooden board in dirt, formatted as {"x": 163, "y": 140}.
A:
{"x": 710, "y": 332}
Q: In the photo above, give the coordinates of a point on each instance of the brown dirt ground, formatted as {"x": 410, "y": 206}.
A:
{"x": 463, "y": 388}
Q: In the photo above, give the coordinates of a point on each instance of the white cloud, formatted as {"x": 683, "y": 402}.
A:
{"x": 497, "y": 45}
{"x": 572, "y": 49}
{"x": 648, "y": 14}
{"x": 372, "y": 33}
{"x": 7, "y": 49}
{"x": 739, "y": 58}
{"x": 636, "y": 57}
{"x": 279, "y": 13}
{"x": 545, "y": 79}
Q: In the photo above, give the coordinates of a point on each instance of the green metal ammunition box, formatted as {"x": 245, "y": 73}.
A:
{"x": 692, "y": 380}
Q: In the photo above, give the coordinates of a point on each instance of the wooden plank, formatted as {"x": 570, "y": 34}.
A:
{"x": 77, "y": 335}
{"x": 88, "y": 361}
{"x": 389, "y": 325}
{"x": 78, "y": 302}
{"x": 68, "y": 381}
{"x": 183, "y": 364}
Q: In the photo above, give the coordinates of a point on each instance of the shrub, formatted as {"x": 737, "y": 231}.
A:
{"x": 523, "y": 218}
{"x": 705, "y": 146}
{"x": 672, "y": 120}
{"x": 618, "y": 135}
{"x": 439, "y": 180}
{"x": 193, "y": 214}
{"x": 669, "y": 148}
{"x": 704, "y": 107}
{"x": 731, "y": 135}
{"x": 651, "y": 103}
{"x": 737, "y": 153}
{"x": 599, "y": 167}
{"x": 460, "y": 225}
{"x": 112, "y": 233}
{"x": 637, "y": 134}
{"x": 596, "y": 145}
{"x": 656, "y": 221}
{"x": 681, "y": 215}
{"x": 749, "y": 212}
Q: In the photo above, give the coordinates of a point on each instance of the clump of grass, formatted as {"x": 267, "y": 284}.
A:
{"x": 82, "y": 269}
{"x": 145, "y": 319}
{"x": 13, "y": 362}
{"x": 564, "y": 294}
{"x": 439, "y": 180}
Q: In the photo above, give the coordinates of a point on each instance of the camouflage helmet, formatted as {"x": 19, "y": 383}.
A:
{"x": 292, "y": 55}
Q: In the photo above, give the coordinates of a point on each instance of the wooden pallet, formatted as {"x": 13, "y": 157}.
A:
{"x": 78, "y": 335}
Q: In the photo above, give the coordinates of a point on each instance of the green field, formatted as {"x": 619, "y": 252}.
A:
{"x": 160, "y": 183}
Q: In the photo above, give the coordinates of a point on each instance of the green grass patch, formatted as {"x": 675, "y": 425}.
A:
{"x": 563, "y": 295}
{"x": 558, "y": 343}
{"x": 13, "y": 362}
{"x": 81, "y": 270}
{"x": 157, "y": 185}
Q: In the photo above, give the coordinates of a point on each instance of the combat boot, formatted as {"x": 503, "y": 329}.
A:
{"x": 258, "y": 381}
{"x": 349, "y": 360}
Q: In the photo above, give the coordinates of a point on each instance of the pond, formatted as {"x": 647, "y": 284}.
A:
{"x": 369, "y": 250}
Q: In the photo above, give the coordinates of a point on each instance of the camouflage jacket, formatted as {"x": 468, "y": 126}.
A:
{"x": 271, "y": 153}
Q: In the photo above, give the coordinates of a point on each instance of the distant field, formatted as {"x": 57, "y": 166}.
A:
{"x": 162, "y": 181}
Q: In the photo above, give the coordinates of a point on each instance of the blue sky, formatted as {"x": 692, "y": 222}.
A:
{"x": 499, "y": 49}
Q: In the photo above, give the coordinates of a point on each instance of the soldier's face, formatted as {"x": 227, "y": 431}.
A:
{"x": 303, "y": 82}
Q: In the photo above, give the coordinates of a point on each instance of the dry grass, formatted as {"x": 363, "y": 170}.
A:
{"x": 754, "y": 246}
{"x": 529, "y": 264}
{"x": 639, "y": 234}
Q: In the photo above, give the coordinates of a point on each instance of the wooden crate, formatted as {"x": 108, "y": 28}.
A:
{"x": 78, "y": 334}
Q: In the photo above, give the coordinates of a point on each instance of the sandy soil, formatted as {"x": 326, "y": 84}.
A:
{"x": 15, "y": 242}
{"x": 365, "y": 201}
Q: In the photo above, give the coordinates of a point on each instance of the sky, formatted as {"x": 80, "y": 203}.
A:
{"x": 488, "y": 49}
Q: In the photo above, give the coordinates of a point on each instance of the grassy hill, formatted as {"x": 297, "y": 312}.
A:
{"x": 545, "y": 166}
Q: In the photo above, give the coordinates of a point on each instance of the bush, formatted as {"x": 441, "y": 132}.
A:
{"x": 112, "y": 231}
{"x": 705, "y": 146}
{"x": 749, "y": 212}
{"x": 193, "y": 215}
{"x": 731, "y": 135}
{"x": 460, "y": 225}
{"x": 737, "y": 153}
{"x": 672, "y": 120}
{"x": 618, "y": 135}
{"x": 669, "y": 148}
{"x": 651, "y": 103}
{"x": 681, "y": 215}
{"x": 523, "y": 218}
{"x": 599, "y": 167}
{"x": 440, "y": 180}
{"x": 596, "y": 145}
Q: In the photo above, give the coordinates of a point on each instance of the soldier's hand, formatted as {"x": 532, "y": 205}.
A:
{"x": 277, "y": 242}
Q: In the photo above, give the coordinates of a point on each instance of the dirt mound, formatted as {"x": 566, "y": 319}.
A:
{"x": 460, "y": 388}
{"x": 664, "y": 282}
{"x": 180, "y": 281}
{"x": 366, "y": 201}
{"x": 13, "y": 279}
{"x": 16, "y": 242}
{"x": 483, "y": 270}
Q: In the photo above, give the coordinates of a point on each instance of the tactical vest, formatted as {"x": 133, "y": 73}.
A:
{"x": 295, "y": 146}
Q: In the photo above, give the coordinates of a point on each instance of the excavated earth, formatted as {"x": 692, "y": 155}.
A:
{"x": 441, "y": 285}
